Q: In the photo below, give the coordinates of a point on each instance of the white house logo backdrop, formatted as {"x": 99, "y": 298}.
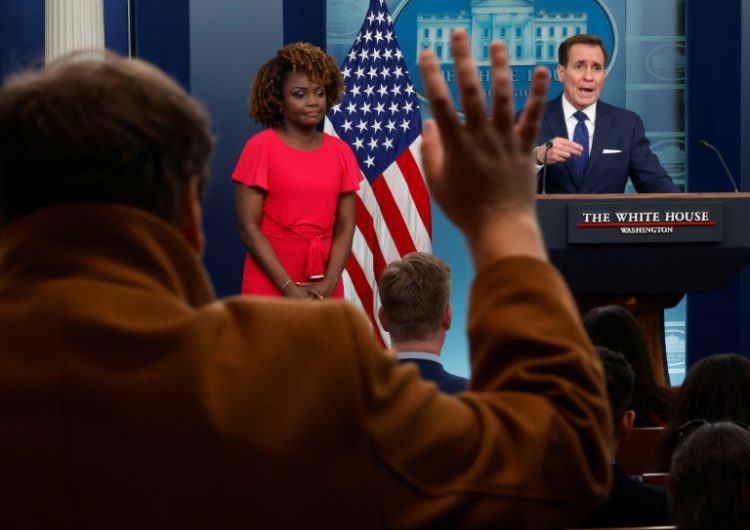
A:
{"x": 532, "y": 30}
{"x": 645, "y": 40}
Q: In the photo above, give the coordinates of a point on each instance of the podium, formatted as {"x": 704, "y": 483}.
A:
{"x": 644, "y": 251}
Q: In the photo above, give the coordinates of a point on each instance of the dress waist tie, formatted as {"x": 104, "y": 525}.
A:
{"x": 316, "y": 259}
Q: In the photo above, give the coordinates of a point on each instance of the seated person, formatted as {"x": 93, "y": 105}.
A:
{"x": 616, "y": 328}
{"x": 709, "y": 483}
{"x": 415, "y": 296}
{"x": 630, "y": 502}
{"x": 716, "y": 388}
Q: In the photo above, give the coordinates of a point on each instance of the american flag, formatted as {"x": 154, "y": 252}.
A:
{"x": 379, "y": 117}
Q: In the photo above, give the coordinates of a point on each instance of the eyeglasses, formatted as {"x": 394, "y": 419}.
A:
{"x": 689, "y": 427}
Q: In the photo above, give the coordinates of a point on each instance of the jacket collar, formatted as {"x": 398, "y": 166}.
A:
{"x": 109, "y": 243}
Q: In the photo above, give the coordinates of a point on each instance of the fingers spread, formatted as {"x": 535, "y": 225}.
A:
{"x": 528, "y": 124}
{"x": 432, "y": 153}
{"x": 502, "y": 87}
{"x": 441, "y": 102}
{"x": 467, "y": 79}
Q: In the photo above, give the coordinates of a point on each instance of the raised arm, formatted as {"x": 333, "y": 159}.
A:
{"x": 526, "y": 447}
{"x": 480, "y": 172}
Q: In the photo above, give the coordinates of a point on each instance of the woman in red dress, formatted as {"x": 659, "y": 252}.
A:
{"x": 295, "y": 185}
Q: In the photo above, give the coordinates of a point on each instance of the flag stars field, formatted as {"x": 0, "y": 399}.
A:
{"x": 379, "y": 117}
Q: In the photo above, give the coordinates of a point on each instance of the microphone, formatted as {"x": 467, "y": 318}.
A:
{"x": 707, "y": 145}
{"x": 547, "y": 147}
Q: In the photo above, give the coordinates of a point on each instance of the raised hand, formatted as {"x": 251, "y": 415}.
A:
{"x": 481, "y": 172}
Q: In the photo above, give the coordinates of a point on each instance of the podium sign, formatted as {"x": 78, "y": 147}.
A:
{"x": 647, "y": 243}
{"x": 645, "y": 222}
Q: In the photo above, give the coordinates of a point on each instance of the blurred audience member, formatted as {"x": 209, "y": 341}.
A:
{"x": 630, "y": 502}
{"x": 709, "y": 484}
{"x": 415, "y": 295}
{"x": 616, "y": 328}
{"x": 716, "y": 388}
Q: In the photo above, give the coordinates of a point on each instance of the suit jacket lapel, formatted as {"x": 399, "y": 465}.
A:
{"x": 557, "y": 125}
{"x": 556, "y": 117}
{"x": 601, "y": 133}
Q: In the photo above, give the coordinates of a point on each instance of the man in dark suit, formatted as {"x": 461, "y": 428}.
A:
{"x": 631, "y": 502}
{"x": 415, "y": 294}
{"x": 593, "y": 147}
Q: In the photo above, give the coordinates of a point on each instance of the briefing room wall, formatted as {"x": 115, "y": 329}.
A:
{"x": 717, "y": 87}
{"x": 229, "y": 41}
{"x": 21, "y": 34}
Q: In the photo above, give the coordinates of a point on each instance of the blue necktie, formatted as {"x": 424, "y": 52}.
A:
{"x": 580, "y": 136}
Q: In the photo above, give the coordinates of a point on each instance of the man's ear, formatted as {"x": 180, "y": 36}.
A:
{"x": 447, "y": 317}
{"x": 626, "y": 425}
{"x": 381, "y": 317}
{"x": 192, "y": 225}
{"x": 561, "y": 72}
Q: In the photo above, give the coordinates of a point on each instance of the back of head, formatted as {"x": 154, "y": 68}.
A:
{"x": 716, "y": 388}
{"x": 415, "y": 292}
{"x": 619, "y": 377}
{"x": 112, "y": 130}
{"x": 710, "y": 479}
{"x": 616, "y": 328}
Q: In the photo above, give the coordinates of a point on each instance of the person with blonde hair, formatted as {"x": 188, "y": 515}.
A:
{"x": 295, "y": 185}
{"x": 416, "y": 311}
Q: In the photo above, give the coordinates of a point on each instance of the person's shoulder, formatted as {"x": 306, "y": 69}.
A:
{"x": 261, "y": 315}
{"x": 604, "y": 107}
{"x": 454, "y": 383}
{"x": 550, "y": 106}
{"x": 261, "y": 139}
{"x": 335, "y": 142}
{"x": 266, "y": 135}
{"x": 336, "y": 147}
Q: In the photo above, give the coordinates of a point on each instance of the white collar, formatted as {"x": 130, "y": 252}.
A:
{"x": 569, "y": 110}
{"x": 418, "y": 355}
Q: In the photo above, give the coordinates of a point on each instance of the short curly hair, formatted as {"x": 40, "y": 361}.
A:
{"x": 264, "y": 103}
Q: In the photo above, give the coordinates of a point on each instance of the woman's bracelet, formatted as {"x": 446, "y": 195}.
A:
{"x": 285, "y": 284}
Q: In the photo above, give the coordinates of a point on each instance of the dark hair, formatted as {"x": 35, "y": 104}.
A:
{"x": 104, "y": 130}
{"x": 414, "y": 292}
{"x": 620, "y": 378}
{"x": 584, "y": 38}
{"x": 266, "y": 93}
{"x": 709, "y": 484}
{"x": 716, "y": 388}
{"x": 614, "y": 327}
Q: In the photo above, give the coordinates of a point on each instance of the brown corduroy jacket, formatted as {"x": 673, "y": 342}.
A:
{"x": 131, "y": 398}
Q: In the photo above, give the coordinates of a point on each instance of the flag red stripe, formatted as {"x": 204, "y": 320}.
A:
{"x": 365, "y": 293}
{"x": 417, "y": 189}
{"x": 392, "y": 217}
{"x": 366, "y": 226}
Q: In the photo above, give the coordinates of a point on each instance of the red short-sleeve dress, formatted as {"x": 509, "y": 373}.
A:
{"x": 301, "y": 191}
